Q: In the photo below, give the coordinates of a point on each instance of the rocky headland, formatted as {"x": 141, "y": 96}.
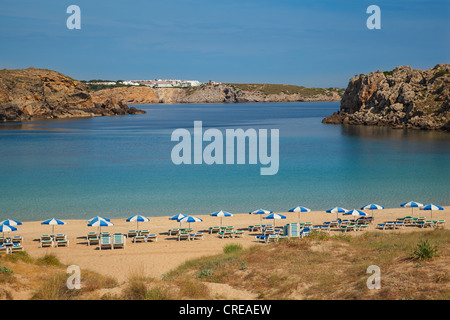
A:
{"x": 402, "y": 98}
{"x": 220, "y": 93}
{"x": 31, "y": 94}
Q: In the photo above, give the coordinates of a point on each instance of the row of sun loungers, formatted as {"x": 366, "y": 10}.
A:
{"x": 190, "y": 236}
{"x": 9, "y": 247}
{"x": 420, "y": 222}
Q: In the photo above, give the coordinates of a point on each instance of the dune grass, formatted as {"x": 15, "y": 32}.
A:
{"x": 330, "y": 267}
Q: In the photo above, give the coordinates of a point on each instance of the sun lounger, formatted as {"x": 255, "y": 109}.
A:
{"x": 16, "y": 247}
{"x": 325, "y": 227}
{"x": 334, "y": 224}
{"x": 239, "y": 234}
{"x": 440, "y": 224}
{"x": 62, "y": 242}
{"x": 144, "y": 232}
{"x": 428, "y": 223}
{"x": 272, "y": 238}
{"x": 254, "y": 228}
{"x": 363, "y": 227}
{"x": 93, "y": 238}
{"x": 316, "y": 228}
{"x": 46, "y": 241}
{"x": 261, "y": 238}
{"x": 226, "y": 234}
{"x": 4, "y": 249}
{"x": 152, "y": 237}
{"x": 173, "y": 231}
{"x": 305, "y": 232}
{"x": 118, "y": 241}
{"x": 17, "y": 239}
{"x": 408, "y": 220}
{"x": 381, "y": 226}
{"x": 183, "y": 236}
{"x": 131, "y": 233}
{"x": 214, "y": 229}
{"x": 399, "y": 224}
{"x": 196, "y": 236}
{"x": 139, "y": 238}
{"x": 105, "y": 242}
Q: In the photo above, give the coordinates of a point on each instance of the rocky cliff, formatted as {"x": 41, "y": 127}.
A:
{"x": 231, "y": 93}
{"x": 30, "y": 94}
{"x": 401, "y": 98}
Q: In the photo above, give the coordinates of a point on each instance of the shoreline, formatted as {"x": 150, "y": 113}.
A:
{"x": 156, "y": 258}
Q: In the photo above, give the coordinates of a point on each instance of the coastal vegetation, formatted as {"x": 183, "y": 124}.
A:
{"x": 414, "y": 265}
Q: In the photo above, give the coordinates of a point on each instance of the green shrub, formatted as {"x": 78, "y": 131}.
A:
{"x": 424, "y": 251}
{"x": 440, "y": 73}
{"x": 5, "y": 270}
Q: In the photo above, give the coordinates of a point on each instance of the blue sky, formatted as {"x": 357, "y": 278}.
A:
{"x": 311, "y": 43}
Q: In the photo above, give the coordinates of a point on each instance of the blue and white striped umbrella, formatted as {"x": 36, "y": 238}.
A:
{"x": 372, "y": 207}
{"x": 337, "y": 210}
{"x": 178, "y": 217}
{"x": 95, "y": 219}
{"x": 221, "y": 214}
{"x": 432, "y": 207}
{"x": 299, "y": 209}
{"x": 356, "y": 213}
{"x": 100, "y": 223}
{"x": 190, "y": 219}
{"x": 6, "y": 228}
{"x": 260, "y": 211}
{"x": 412, "y": 205}
{"x": 275, "y": 216}
{"x": 53, "y": 222}
{"x": 138, "y": 218}
{"x": 11, "y": 222}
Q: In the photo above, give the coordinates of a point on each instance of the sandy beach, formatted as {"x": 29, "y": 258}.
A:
{"x": 156, "y": 258}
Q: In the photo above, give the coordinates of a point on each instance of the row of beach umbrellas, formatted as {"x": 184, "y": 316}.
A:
{"x": 11, "y": 225}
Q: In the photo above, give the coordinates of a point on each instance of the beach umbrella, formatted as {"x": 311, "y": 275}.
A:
{"x": 372, "y": 207}
{"x": 275, "y": 216}
{"x": 190, "y": 219}
{"x": 100, "y": 223}
{"x": 412, "y": 205}
{"x": 260, "y": 212}
{"x": 92, "y": 220}
{"x": 299, "y": 209}
{"x": 337, "y": 210}
{"x": 178, "y": 217}
{"x": 6, "y": 228}
{"x": 138, "y": 218}
{"x": 11, "y": 222}
{"x": 432, "y": 207}
{"x": 53, "y": 222}
{"x": 221, "y": 214}
{"x": 356, "y": 213}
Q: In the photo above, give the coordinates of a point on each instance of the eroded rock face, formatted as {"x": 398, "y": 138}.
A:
{"x": 402, "y": 98}
{"x": 30, "y": 94}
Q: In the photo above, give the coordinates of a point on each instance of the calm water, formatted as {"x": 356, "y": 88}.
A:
{"x": 121, "y": 166}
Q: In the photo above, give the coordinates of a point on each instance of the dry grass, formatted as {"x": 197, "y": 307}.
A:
{"x": 318, "y": 267}
{"x": 331, "y": 267}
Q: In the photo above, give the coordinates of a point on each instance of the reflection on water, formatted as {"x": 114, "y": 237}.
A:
{"x": 384, "y": 132}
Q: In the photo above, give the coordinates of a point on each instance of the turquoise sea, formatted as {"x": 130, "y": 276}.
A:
{"x": 121, "y": 166}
